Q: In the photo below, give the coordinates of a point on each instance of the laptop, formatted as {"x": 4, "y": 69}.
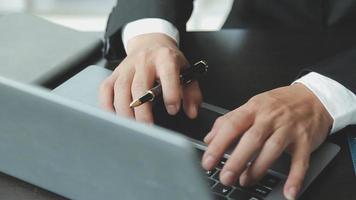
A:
{"x": 81, "y": 152}
{"x": 84, "y": 88}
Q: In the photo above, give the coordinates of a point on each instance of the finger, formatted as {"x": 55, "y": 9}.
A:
{"x": 216, "y": 126}
{"x": 271, "y": 151}
{"x": 122, "y": 92}
{"x": 192, "y": 98}
{"x": 106, "y": 94}
{"x": 168, "y": 74}
{"x": 299, "y": 167}
{"x": 230, "y": 131}
{"x": 142, "y": 82}
{"x": 249, "y": 145}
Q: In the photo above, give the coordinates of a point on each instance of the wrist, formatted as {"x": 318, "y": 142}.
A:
{"x": 150, "y": 40}
{"x": 313, "y": 100}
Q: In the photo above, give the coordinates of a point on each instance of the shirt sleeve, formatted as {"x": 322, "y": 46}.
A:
{"x": 339, "y": 101}
{"x": 148, "y": 25}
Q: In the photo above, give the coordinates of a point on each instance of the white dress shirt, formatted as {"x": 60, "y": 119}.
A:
{"x": 339, "y": 101}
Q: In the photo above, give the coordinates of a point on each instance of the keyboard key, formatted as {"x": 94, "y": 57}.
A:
{"x": 211, "y": 182}
{"x": 270, "y": 181}
{"x": 218, "y": 197}
{"x": 216, "y": 175}
{"x": 237, "y": 184}
{"x": 259, "y": 190}
{"x": 210, "y": 172}
{"x": 221, "y": 163}
{"x": 222, "y": 189}
{"x": 240, "y": 195}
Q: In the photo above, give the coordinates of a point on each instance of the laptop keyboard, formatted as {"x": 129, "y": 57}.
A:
{"x": 237, "y": 192}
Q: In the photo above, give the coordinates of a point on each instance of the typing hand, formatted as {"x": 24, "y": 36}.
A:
{"x": 150, "y": 57}
{"x": 289, "y": 118}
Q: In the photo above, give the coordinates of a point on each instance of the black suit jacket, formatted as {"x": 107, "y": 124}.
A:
{"x": 303, "y": 15}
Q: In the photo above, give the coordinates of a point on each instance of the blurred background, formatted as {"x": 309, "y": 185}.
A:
{"x": 91, "y": 15}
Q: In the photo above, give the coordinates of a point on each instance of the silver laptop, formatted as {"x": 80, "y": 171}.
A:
{"x": 81, "y": 152}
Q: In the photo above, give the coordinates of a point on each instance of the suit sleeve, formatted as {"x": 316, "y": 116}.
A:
{"x": 175, "y": 11}
{"x": 341, "y": 68}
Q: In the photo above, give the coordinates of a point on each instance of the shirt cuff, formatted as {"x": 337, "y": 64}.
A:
{"x": 148, "y": 25}
{"x": 339, "y": 101}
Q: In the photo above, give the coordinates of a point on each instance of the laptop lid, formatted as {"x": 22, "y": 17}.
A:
{"x": 80, "y": 152}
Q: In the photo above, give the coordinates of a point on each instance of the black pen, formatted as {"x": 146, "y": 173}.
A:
{"x": 186, "y": 77}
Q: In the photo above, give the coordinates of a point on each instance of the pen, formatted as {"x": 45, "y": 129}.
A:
{"x": 186, "y": 77}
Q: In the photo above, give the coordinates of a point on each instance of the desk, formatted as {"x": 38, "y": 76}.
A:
{"x": 247, "y": 63}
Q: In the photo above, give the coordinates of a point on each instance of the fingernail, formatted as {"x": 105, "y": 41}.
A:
{"x": 172, "y": 109}
{"x": 193, "y": 111}
{"x": 291, "y": 193}
{"x": 244, "y": 180}
{"x": 228, "y": 177}
{"x": 208, "y": 162}
{"x": 207, "y": 137}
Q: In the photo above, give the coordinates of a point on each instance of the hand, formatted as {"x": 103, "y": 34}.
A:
{"x": 150, "y": 57}
{"x": 290, "y": 118}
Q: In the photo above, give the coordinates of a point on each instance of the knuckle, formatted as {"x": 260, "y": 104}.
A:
{"x": 169, "y": 71}
{"x": 166, "y": 51}
{"x": 143, "y": 65}
{"x": 121, "y": 81}
{"x": 139, "y": 66}
{"x": 287, "y": 112}
{"x": 283, "y": 113}
{"x": 246, "y": 110}
{"x": 229, "y": 131}
{"x": 258, "y": 137}
{"x": 169, "y": 58}
{"x": 172, "y": 98}
{"x": 172, "y": 71}
{"x": 252, "y": 106}
{"x": 302, "y": 165}
{"x": 275, "y": 113}
{"x": 234, "y": 164}
{"x": 220, "y": 120}
{"x": 138, "y": 86}
{"x": 253, "y": 102}
{"x": 215, "y": 150}
{"x": 124, "y": 65}
{"x": 143, "y": 55}
{"x": 276, "y": 143}
{"x": 231, "y": 165}
{"x": 265, "y": 120}
{"x": 303, "y": 136}
{"x": 106, "y": 84}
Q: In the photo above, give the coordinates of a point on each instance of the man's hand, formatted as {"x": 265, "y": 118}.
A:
{"x": 150, "y": 57}
{"x": 290, "y": 118}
